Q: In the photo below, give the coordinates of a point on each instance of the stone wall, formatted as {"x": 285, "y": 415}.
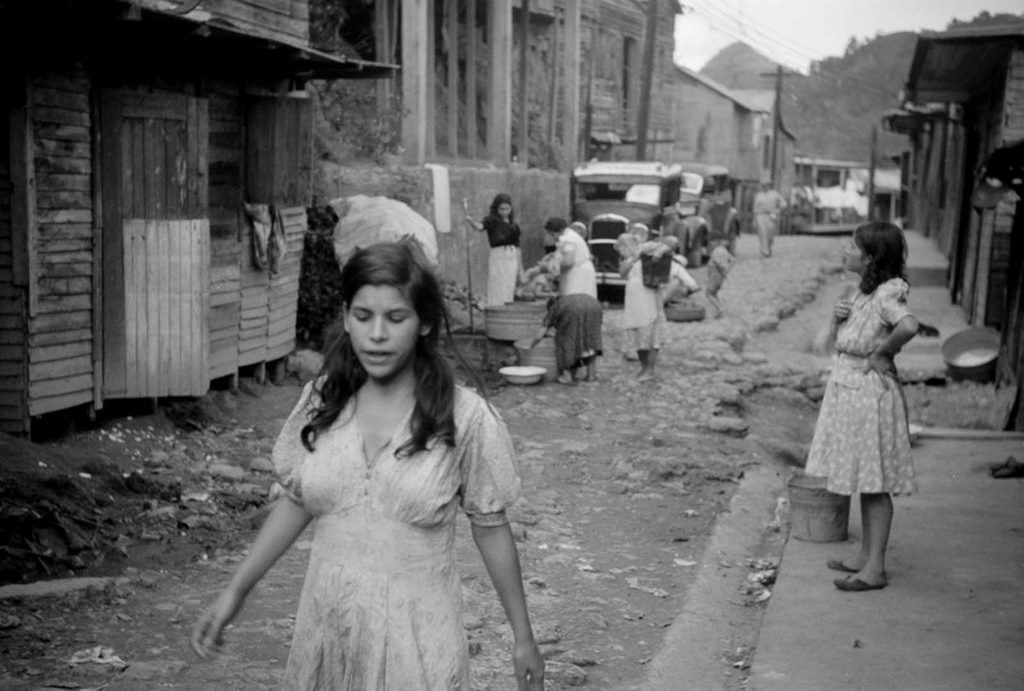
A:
{"x": 536, "y": 195}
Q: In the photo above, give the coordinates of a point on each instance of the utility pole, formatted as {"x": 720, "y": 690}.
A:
{"x": 779, "y": 73}
{"x": 871, "y": 173}
{"x": 643, "y": 111}
{"x": 776, "y": 127}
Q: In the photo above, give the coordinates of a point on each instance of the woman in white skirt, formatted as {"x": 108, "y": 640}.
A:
{"x": 505, "y": 264}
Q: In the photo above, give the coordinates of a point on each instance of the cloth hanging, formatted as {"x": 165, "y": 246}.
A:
{"x": 278, "y": 245}
{"x": 260, "y": 220}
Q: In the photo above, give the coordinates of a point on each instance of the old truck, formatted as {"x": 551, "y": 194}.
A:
{"x": 609, "y": 196}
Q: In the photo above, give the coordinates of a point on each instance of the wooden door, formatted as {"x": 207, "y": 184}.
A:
{"x": 155, "y": 244}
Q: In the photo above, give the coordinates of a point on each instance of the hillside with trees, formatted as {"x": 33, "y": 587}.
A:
{"x": 832, "y": 109}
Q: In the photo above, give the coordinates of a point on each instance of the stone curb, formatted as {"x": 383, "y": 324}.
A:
{"x": 56, "y": 588}
{"x": 691, "y": 656}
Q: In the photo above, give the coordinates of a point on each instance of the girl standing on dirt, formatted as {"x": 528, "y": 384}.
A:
{"x": 380, "y": 453}
{"x": 505, "y": 263}
{"x": 861, "y": 440}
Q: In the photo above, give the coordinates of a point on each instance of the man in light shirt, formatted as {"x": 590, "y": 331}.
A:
{"x": 767, "y": 205}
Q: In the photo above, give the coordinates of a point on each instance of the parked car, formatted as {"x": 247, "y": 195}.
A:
{"x": 609, "y": 196}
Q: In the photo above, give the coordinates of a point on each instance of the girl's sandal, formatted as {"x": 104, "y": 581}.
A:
{"x": 838, "y": 565}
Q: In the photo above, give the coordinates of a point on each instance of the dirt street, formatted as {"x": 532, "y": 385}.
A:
{"x": 622, "y": 481}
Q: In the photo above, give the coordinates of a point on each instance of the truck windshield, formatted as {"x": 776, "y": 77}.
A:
{"x": 634, "y": 192}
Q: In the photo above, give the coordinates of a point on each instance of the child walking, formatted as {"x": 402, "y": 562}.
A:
{"x": 380, "y": 453}
{"x": 719, "y": 265}
{"x": 861, "y": 439}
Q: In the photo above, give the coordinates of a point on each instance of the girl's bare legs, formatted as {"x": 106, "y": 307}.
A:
{"x": 876, "y": 517}
{"x": 876, "y": 523}
{"x": 716, "y": 306}
{"x": 591, "y": 363}
{"x": 648, "y": 359}
{"x": 645, "y": 359}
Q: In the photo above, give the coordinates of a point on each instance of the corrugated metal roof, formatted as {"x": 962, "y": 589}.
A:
{"x": 977, "y": 32}
{"x": 298, "y": 60}
{"x": 759, "y": 99}
{"x": 957, "y": 65}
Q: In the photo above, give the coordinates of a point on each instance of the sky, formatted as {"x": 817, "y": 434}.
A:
{"x": 794, "y": 32}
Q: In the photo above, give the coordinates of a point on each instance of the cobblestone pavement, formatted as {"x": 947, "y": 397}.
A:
{"x": 622, "y": 484}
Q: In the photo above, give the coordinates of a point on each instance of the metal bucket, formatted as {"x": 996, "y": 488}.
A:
{"x": 817, "y": 515}
{"x": 542, "y": 355}
{"x": 514, "y": 321}
{"x": 972, "y": 354}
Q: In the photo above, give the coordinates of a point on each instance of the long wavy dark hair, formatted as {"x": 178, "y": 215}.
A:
{"x": 885, "y": 250}
{"x": 499, "y": 199}
{"x": 402, "y": 265}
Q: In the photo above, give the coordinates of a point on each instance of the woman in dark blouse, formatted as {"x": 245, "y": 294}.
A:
{"x": 505, "y": 264}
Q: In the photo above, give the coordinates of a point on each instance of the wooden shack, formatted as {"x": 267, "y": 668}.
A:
{"x": 135, "y": 135}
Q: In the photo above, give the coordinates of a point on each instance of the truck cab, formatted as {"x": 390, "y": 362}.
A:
{"x": 609, "y": 196}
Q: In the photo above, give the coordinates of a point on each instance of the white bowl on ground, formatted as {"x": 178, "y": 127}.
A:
{"x": 522, "y": 374}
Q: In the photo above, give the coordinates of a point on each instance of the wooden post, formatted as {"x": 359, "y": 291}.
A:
{"x": 416, "y": 79}
{"x": 776, "y": 127}
{"x": 524, "y": 90}
{"x": 430, "y": 31}
{"x": 451, "y": 8}
{"x": 472, "y": 36}
{"x": 97, "y": 247}
{"x": 571, "y": 121}
{"x": 553, "y": 84}
{"x": 25, "y": 231}
{"x": 583, "y": 141}
{"x": 500, "y": 116}
{"x": 384, "y": 52}
{"x": 871, "y": 174}
{"x": 643, "y": 118}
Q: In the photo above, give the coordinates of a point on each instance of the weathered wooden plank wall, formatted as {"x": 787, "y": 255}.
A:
{"x": 60, "y": 330}
{"x": 283, "y": 297}
{"x": 166, "y": 348}
{"x": 707, "y": 126}
{"x": 278, "y": 171}
{"x": 226, "y": 175}
{"x": 612, "y": 24}
{"x": 13, "y": 364}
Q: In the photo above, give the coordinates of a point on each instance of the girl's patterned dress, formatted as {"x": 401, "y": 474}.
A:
{"x": 381, "y": 605}
{"x": 861, "y": 440}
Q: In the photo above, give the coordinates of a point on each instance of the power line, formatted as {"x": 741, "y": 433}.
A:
{"x": 736, "y": 29}
{"x": 715, "y": 22}
{"x": 744, "y": 24}
{"x": 793, "y": 49}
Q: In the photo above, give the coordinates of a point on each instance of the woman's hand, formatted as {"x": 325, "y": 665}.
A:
{"x": 528, "y": 664}
{"x": 882, "y": 362}
{"x": 208, "y": 634}
{"x": 841, "y": 312}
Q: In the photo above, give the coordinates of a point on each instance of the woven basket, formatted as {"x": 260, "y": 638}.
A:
{"x": 684, "y": 312}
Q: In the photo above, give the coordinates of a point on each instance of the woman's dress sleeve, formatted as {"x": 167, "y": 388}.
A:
{"x": 489, "y": 481}
{"x": 289, "y": 453}
{"x": 892, "y": 301}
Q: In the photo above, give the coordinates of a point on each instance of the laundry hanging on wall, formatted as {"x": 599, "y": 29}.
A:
{"x": 268, "y": 237}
